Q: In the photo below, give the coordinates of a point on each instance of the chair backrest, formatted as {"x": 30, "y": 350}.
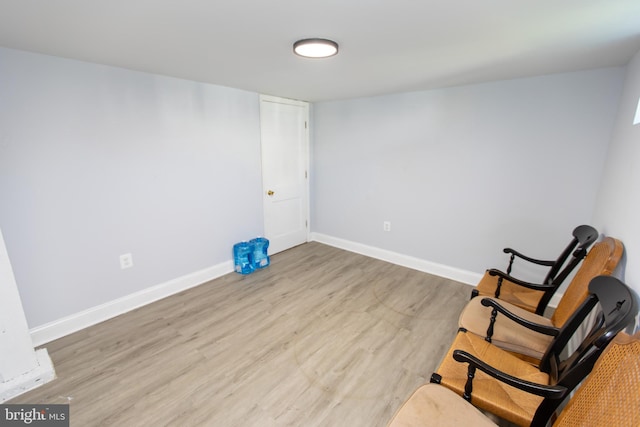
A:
{"x": 602, "y": 259}
{"x": 610, "y": 396}
{"x": 583, "y": 237}
{"x": 618, "y": 309}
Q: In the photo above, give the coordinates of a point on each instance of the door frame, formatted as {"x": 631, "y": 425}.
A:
{"x": 306, "y": 160}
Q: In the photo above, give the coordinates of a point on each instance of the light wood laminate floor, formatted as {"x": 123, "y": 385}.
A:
{"x": 322, "y": 337}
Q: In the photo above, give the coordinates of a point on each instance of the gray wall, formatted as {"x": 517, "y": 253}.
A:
{"x": 463, "y": 172}
{"x": 618, "y": 208}
{"x": 98, "y": 161}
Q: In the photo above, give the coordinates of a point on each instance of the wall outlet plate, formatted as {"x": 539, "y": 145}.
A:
{"x": 126, "y": 261}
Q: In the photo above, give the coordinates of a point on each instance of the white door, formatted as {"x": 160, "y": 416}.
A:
{"x": 285, "y": 159}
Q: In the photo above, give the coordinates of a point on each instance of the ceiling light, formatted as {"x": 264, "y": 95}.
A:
{"x": 315, "y": 48}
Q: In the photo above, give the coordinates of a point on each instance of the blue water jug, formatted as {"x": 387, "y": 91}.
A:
{"x": 242, "y": 257}
{"x": 260, "y": 259}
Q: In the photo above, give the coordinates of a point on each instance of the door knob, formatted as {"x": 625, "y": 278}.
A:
{"x": 270, "y": 193}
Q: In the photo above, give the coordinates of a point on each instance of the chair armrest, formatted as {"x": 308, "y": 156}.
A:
{"x": 529, "y": 285}
{"x": 526, "y": 258}
{"x": 543, "y": 329}
{"x": 546, "y": 391}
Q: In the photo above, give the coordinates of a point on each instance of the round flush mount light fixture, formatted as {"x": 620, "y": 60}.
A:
{"x": 315, "y": 48}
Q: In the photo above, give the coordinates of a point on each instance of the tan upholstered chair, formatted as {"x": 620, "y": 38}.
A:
{"x": 535, "y": 297}
{"x": 610, "y": 396}
{"x": 511, "y": 388}
{"x": 519, "y": 331}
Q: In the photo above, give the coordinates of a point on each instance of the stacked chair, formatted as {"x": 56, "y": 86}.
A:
{"x": 511, "y": 361}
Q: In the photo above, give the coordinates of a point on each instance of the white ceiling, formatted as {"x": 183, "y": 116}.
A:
{"x": 386, "y": 46}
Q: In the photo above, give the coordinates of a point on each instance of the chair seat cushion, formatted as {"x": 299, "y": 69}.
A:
{"x": 507, "y": 334}
{"x": 488, "y": 393}
{"x": 435, "y": 405}
{"x": 509, "y": 292}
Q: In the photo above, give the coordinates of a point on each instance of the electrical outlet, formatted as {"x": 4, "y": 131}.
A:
{"x": 386, "y": 226}
{"x": 126, "y": 261}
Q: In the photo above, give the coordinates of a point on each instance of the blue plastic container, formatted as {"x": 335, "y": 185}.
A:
{"x": 243, "y": 257}
{"x": 260, "y": 258}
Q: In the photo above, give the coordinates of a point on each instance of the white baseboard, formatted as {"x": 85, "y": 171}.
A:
{"x": 58, "y": 328}
{"x": 41, "y": 374}
{"x": 467, "y": 277}
{"x": 67, "y": 325}
{"x": 463, "y": 276}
